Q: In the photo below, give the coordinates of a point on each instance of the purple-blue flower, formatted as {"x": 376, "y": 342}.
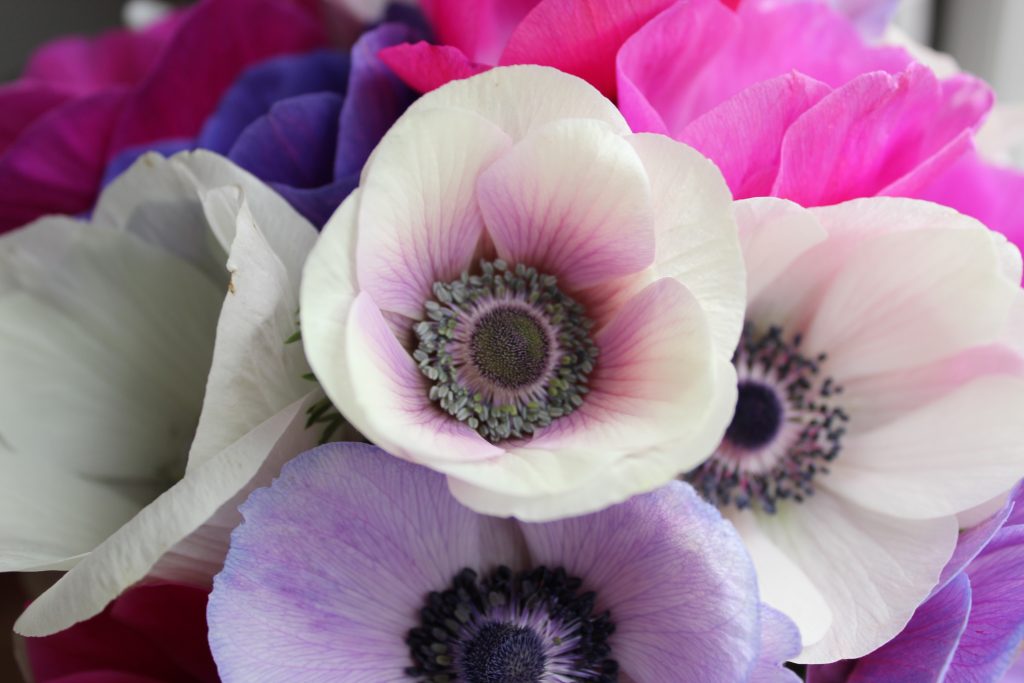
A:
{"x": 358, "y": 566}
{"x": 304, "y": 124}
{"x": 971, "y": 628}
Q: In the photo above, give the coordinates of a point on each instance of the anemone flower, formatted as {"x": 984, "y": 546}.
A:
{"x": 145, "y": 386}
{"x": 357, "y": 566}
{"x": 879, "y": 398}
{"x": 530, "y": 299}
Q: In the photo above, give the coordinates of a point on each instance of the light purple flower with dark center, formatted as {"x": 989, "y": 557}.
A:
{"x": 971, "y": 628}
{"x": 359, "y": 567}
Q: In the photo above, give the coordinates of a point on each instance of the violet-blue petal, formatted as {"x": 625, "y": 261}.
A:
{"x": 264, "y": 84}
{"x": 376, "y": 97}
{"x": 675, "y": 576}
{"x": 120, "y": 163}
{"x": 294, "y": 143}
{"x": 317, "y": 204}
{"x": 921, "y": 653}
{"x": 780, "y": 642}
{"x": 996, "y": 626}
{"x": 328, "y": 572}
{"x": 971, "y": 542}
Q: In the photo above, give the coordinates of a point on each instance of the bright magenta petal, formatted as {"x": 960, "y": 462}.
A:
{"x": 424, "y": 67}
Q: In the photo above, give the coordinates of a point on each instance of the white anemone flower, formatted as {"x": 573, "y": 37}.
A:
{"x": 880, "y": 397}
{"x": 530, "y": 299}
{"x": 145, "y": 383}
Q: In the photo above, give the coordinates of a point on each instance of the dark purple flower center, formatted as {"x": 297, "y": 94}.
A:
{"x": 503, "y": 653}
{"x": 505, "y": 350}
{"x": 758, "y": 416}
{"x": 785, "y": 431}
{"x": 510, "y": 627}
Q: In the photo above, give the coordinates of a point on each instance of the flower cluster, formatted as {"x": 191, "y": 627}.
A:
{"x": 515, "y": 341}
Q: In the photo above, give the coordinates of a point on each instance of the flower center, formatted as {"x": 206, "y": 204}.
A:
{"x": 503, "y": 653}
{"x": 785, "y": 431}
{"x": 506, "y": 351}
{"x": 512, "y": 628}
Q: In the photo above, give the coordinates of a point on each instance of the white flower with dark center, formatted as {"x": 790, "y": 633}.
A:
{"x": 527, "y": 297}
{"x": 879, "y": 398}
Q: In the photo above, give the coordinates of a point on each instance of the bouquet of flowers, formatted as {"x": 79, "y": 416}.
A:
{"x": 510, "y": 341}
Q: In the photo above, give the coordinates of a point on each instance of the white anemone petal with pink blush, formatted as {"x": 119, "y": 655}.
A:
{"x": 530, "y": 299}
{"x": 876, "y": 404}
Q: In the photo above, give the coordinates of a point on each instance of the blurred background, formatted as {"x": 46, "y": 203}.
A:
{"x": 982, "y": 35}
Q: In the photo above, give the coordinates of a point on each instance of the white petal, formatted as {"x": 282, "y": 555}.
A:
{"x": 106, "y": 343}
{"x": 911, "y": 297}
{"x": 873, "y": 570}
{"x": 521, "y": 98}
{"x": 955, "y": 453}
{"x": 696, "y": 233}
{"x": 49, "y": 517}
{"x": 773, "y": 233}
{"x": 781, "y": 583}
{"x": 612, "y": 477}
{"x": 254, "y": 372}
{"x": 172, "y": 527}
{"x": 419, "y": 221}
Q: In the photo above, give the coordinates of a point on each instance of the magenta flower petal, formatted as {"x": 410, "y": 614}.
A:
{"x": 992, "y": 194}
{"x": 22, "y": 103}
{"x": 424, "y": 67}
{"x": 879, "y": 134}
{"x": 579, "y": 38}
{"x": 328, "y": 572}
{"x": 479, "y": 29}
{"x": 759, "y": 116}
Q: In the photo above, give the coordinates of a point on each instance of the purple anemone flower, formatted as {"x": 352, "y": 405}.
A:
{"x": 360, "y": 567}
{"x": 971, "y": 628}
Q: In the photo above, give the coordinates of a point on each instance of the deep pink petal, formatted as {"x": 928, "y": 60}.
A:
{"x": 480, "y": 28}
{"x": 56, "y": 165}
{"x": 879, "y": 134}
{"x": 744, "y": 134}
{"x": 580, "y": 38}
{"x": 22, "y": 103}
{"x": 215, "y": 42}
{"x": 424, "y": 67}
{"x": 118, "y": 57}
{"x": 155, "y": 632}
{"x": 992, "y": 194}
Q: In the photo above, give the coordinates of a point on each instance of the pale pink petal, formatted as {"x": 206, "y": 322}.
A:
{"x": 953, "y": 454}
{"x": 389, "y": 402}
{"x": 696, "y": 233}
{"x": 911, "y": 297}
{"x": 571, "y": 200}
{"x": 876, "y": 400}
{"x": 579, "y": 38}
{"x": 878, "y": 134}
{"x": 425, "y": 67}
{"x": 744, "y": 134}
{"x": 873, "y": 570}
{"x": 419, "y": 222}
{"x": 773, "y": 234}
